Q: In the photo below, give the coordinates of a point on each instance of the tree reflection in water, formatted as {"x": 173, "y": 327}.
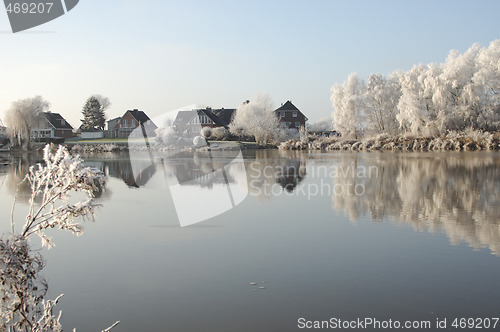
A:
{"x": 457, "y": 193}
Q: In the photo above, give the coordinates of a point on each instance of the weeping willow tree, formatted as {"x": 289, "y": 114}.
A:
{"x": 21, "y": 116}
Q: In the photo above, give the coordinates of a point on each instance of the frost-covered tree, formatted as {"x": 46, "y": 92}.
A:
{"x": 461, "y": 93}
{"x": 93, "y": 114}
{"x": 416, "y": 111}
{"x": 487, "y": 87}
{"x": 347, "y": 99}
{"x": 454, "y": 93}
{"x": 22, "y": 115}
{"x": 381, "y": 97}
{"x": 257, "y": 119}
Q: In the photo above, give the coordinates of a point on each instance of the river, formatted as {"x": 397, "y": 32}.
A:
{"x": 267, "y": 240}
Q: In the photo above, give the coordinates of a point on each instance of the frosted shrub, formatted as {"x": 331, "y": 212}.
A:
{"x": 257, "y": 119}
{"x": 206, "y": 132}
{"x": 22, "y": 288}
{"x": 199, "y": 142}
{"x": 22, "y": 303}
{"x": 304, "y": 135}
{"x": 220, "y": 133}
{"x": 166, "y": 135}
{"x": 52, "y": 183}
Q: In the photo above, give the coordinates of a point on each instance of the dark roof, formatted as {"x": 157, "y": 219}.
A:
{"x": 225, "y": 115}
{"x": 140, "y": 116}
{"x": 57, "y": 121}
{"x": 221, "y": 117}
{"x": 211, "y": 116}
{"x": 288, "y": 106}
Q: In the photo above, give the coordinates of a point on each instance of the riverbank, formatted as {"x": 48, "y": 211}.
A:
{"x": 451, "y": 142}
{"x": 104, "y": 146}
{"x": 466, "y": 141}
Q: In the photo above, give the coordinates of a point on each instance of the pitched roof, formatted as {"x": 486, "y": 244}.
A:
{"x": 57, "y": 121}
{"x": 288, "y": 106}
{"x": 140, "y": 116}
{"x": 208, "y": 112}
{"x": 225, "y": 115}
{"x": 115, "y": 119}
{"x": 183, "y": 117}
{"x": 220, "y": 116}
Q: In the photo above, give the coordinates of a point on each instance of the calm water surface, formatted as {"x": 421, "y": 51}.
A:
{"x": 385, "y": 235}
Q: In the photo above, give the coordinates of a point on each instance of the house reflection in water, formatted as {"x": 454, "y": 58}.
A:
{"x": 290, "y": 173}
{"x": 200, "y": 169}
{"x": 210, "y": 169}
{"x": 122, "y": 168}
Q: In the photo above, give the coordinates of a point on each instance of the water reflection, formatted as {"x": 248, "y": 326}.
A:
{"x": 15, "y": 169}
{"x": 267, "y": 168}
{"x": 456, "y": 193}
{"x": 120, "y": 166}
{"x": 200, "y": 168}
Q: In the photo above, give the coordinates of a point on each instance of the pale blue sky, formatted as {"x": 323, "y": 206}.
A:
{"x": 162, "y": 55}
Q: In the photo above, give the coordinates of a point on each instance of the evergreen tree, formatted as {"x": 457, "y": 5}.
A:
{"x": 93, "y": 115}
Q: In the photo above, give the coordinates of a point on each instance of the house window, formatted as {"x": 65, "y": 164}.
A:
{"x": 132, "y": 123}
{"x": 297, "y": 124}
{"x": 282, "y": 114}
{"x": 124, "y": 123}
{"x": 294, "y": 114}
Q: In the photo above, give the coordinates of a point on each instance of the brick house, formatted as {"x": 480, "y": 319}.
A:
{"x": 51, "y": 125}
{"x": 131, "y": 120}
{"x": 290, "y": 116}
